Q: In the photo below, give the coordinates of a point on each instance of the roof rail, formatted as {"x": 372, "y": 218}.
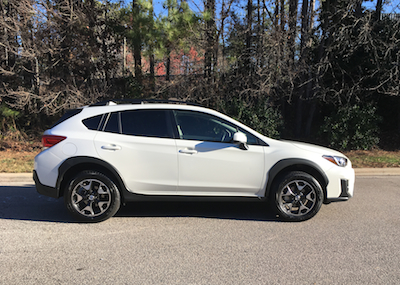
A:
{"x": 142, "y": 101}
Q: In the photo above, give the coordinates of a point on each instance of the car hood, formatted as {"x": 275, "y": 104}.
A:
{"x": 315, "y": 148}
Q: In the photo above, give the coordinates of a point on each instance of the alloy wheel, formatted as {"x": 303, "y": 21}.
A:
{"x": 297, "y": 198}
{"x": 91, "y": 197}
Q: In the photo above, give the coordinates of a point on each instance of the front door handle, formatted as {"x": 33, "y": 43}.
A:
{"x": 188, "y": 151}
{"x": 111, "y": 147}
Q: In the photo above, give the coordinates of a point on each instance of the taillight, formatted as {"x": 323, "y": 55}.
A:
{"x": 50, "y": 140}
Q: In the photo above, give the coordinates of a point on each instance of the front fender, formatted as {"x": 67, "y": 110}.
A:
{"x": 296, "y": 164}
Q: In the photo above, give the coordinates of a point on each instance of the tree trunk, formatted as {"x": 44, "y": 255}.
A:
{"x": 152, "y": 73}
{"x": 137, "y": 44}
{"x": 210, "y": 39}
{"x": 249, "y": 33}
{"x": 293, "y": 4}
{"x": 151, "y": 48}
{"x": 359, "y": 8}
{"x": 307, "y": 15}
{"x": 304, "y": 26}
{"x": 106, "y": 50}
{"x": 168, "y": 64}
{"x": 378, "y": 10}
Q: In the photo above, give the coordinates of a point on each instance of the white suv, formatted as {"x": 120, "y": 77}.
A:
{"x": 102, "y": 155}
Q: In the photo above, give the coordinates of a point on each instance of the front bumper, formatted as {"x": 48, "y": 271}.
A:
{"x": 43, "y": 189}
{"x": 341, "y": 184}
{"x": 345, "y": 194}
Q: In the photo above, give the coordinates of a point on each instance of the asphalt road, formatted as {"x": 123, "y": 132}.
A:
{"x": 353, "y": 242}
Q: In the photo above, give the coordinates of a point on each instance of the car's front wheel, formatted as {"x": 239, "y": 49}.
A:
{"x": 297, "y": 196}
{"x": 92, "y": 197}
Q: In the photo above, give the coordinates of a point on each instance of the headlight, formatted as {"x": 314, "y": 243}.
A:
{"x": 338, "y": 160}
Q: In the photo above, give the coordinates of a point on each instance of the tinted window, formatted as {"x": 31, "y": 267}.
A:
{"x": 112, "y": 124}
{"x": 93, "y": 122}
{"x": 252, "y": 140}
{"x": 148, "y": 123}
{"x": 205, "y": 127}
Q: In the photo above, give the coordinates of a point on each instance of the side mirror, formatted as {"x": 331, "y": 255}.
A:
{"x": 241, "y": 139}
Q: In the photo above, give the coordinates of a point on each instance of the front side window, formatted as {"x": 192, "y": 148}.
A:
{"x": 205, "y": 127}
{"x": 202, "y": 127}
{"x": 148, "y": 123}
{"x": 252, "y": 140}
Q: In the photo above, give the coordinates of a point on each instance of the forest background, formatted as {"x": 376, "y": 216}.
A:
{"x": 326, "y": 72}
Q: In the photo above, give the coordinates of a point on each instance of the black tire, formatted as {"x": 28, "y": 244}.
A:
{"x": 92, "y": 197}
{"x": 297, "y": 196}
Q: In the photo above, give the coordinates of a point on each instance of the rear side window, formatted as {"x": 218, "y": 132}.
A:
{"x": 93, "y": 122}
{"x": 148, "y": 123}
{"x": 68, "y": 114}
{"x": 112, "y": 124}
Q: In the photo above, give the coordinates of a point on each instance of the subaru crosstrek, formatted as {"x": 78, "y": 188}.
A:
{"x": 100, "y": 156}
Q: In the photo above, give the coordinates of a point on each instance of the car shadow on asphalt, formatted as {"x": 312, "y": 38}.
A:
{"x": 24, "y": 203}
{"x": 257, "y": 211}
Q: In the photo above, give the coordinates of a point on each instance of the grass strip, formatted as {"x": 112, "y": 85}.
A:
{"x": 16, "y": 162}
{"x": 374, "y": 158}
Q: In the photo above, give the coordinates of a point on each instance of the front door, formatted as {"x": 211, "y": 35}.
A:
{"x": 210, "y": 163}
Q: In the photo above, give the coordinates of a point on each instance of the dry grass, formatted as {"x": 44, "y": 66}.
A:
{"x": 374, "y": 158}
{"x": 16, "y": 162}
{"x": 17, "y": 157}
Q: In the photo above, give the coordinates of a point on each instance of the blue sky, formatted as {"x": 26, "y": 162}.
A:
{"x": 391, "y": 6}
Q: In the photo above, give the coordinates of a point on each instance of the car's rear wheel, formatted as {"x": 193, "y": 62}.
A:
{"x": 298, "y": 196}
{"x": 92, "y": 197}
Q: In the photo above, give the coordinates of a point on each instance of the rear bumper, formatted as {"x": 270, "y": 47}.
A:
{"x": 43, "y": 189}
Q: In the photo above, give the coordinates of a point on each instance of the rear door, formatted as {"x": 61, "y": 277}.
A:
{"x": 140, "y": 145}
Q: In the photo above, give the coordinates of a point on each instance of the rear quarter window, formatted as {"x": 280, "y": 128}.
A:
{"x": 93, "y": 123}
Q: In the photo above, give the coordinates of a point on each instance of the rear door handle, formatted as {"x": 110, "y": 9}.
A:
{"x": 111, "y": 147}
{"x": 188, "y": 151}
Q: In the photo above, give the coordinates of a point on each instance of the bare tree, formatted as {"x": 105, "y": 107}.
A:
{"x": 51, "y": 70}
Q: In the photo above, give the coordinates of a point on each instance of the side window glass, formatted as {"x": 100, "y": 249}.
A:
{"x": 203, "y": 127}
{"x": 251, "y": 140}
{"x": 93, "y": 122}
{"x": 112, "y": 124}
{"x": 148, "y": 123}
